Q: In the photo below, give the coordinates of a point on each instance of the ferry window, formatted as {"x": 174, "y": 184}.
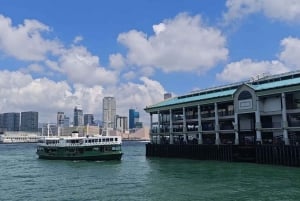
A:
{"x": 99, "y": 140}
{"x": 245, "y": 95}
{"x": 116, "y": 139}
{"x": 111, "y": 139}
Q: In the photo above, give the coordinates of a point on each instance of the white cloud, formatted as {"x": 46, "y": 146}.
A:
{"x": 34, "y": 68}
{"x": 77, "y": 39}
{"x": 282, "y": 10}
{"x": 288, "y": 60}
{"x": 133, "y": 95}
{"x": 25, "y": 42}
{"x": 159, "y": 28}
{"x": 20, "y": 92}
{"x": 81, "y": 66}
{"x": 129, "y": 75}
{"x": 116, "y": 61}
{"x": 246, "y": 68}
{"x": 180, "y": 44}
{"x": 290, "y": 53}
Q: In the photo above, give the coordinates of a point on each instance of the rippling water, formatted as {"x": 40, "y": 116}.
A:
{"x": 25, "y": 177}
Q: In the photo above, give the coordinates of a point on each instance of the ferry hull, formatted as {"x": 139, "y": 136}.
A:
{"x": 114, "y": 156}
{"x": 95, "y": 153}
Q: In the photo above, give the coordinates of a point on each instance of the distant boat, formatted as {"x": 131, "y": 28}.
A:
{"x": 10, "y": 137}
{"x": 80, "y": 148}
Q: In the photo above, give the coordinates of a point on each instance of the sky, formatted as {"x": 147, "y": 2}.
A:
{"x": 57, "y": 54}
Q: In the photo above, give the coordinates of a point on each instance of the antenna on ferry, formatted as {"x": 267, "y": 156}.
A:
{"x": 87, "y": 129}
{"x": 48, "y": 127}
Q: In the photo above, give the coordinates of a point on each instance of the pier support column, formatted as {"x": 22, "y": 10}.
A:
{"x": 284, "y": 120}
{"x": 184, "y": 126}
{"x": 217, "y": 127}
{"x": 158, "y": 139}
{"x": 171, "y": 127}
{"x": 200, "y": 140}
{"x": 185, "y": 138}
{"x": 236, "y": 128}
{"x": 171, "y": 139}
{"x": 151, "y": 128}
{"x": 258, "y": 122}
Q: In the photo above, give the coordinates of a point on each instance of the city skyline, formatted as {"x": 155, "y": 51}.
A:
{"x": 136, "y": 51}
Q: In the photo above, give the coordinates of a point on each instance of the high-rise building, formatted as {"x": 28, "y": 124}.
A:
{"x": 66, "y": 121}
{"x": 29, "y": 121}
{"x": 109, "y": 112}
{"x": 60, "y": 119}
{"x": 10, "y": 121}
{"x": 88, "y": 119}
{"x": 78, "y": 116}
{"x": 121, "y": 123}
{"x": 133, "y": 118}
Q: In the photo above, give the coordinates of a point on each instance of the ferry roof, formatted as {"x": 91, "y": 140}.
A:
{"x": 264, "y": 83}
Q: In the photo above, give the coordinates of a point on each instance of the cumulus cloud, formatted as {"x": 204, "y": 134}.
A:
{"x": 116, "y": 61}
{"x": 246, "y": 68}
{"x": 129, "y": 75}
{"x": 290, "y": 52}
{"x": 138, "y": 95}
{"x": 21, "y": 92}
{"x": 77, "y": 39}
{"x": 287, "y": 10}
{"x": 288, "y": 60}
{"x": 25, "y": 41}
{"x": 81, "y": 66}
{"x": 184, "y": 43}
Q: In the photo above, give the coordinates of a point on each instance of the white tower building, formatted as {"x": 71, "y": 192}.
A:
{"x": 109, "y": 112}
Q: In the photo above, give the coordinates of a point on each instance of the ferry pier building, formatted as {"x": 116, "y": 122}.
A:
{"x": 265, "y": 111}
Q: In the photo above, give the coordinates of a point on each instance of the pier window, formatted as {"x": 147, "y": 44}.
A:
{"x": 207, "y": 111}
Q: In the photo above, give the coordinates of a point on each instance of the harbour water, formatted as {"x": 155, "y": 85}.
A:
{"x": 25, "y": 177}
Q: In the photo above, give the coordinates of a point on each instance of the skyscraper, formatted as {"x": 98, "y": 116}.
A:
{"x": 121, "y": 123}
{"x": 78, "y": 116}
{"x": 109, "y": 112}
{"x": 133, "y": 118}
{"x": 11, "y": 121}
{"x": 88, "y": 119}
{"x": 66, "y": 121}
{"x": 60, "y": 119}
{"x": 29, "y": 121}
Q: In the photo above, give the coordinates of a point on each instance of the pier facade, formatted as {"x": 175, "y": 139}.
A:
{"x": 260, "y": 112}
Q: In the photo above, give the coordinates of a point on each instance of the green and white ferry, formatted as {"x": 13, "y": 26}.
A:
{"x": 95, "y": 148}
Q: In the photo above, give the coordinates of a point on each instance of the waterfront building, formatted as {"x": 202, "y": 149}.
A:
{"x": 78, "y": 116}
{"x": 121, "y": 124}
{"x": 29, "y": 121}
{"x": 10, "y": 121}
{"x": 109, "y": 112}
{"x": 60, "y": 119}
{"x": 265, "y": 110}
{"x": 134, "y": 119}
{"x": 66, "y": 121}
{"x": 88, "y": 119}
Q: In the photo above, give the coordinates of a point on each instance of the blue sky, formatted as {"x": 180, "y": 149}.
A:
{"x": 57, "y": 54}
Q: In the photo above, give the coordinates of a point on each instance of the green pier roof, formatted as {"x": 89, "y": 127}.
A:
{"x": 265, "y": 83}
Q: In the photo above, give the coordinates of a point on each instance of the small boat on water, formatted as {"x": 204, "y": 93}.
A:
{"x": 95, "y": 148}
